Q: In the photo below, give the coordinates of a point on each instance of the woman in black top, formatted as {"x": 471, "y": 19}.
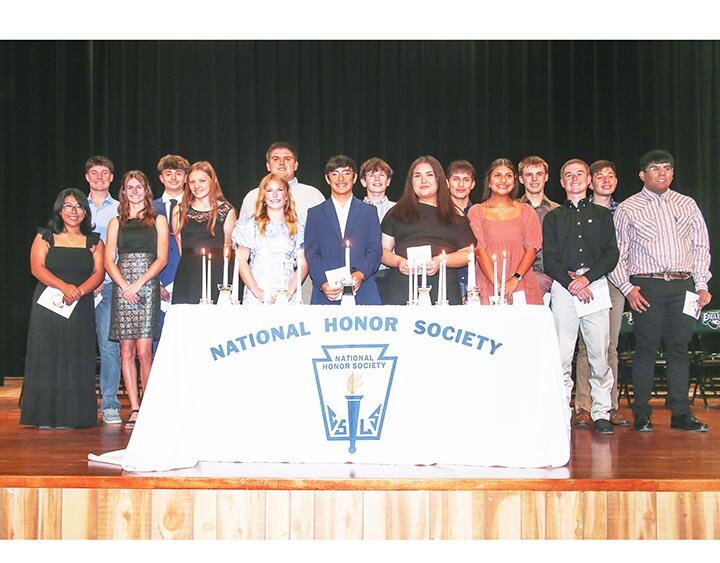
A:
{"x": 425, "y": 215}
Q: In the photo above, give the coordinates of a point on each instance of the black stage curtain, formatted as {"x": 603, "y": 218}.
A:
{"x": 226, "y": 101}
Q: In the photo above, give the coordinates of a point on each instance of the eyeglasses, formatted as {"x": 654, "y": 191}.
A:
{"x": 69, "y": 208}
{"x": 655, "y": 168}
{"x": 335, "y": 174}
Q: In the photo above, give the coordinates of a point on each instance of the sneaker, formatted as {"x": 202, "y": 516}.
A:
{"x": 603, "y": 426}
{"x": 111, "y": 416}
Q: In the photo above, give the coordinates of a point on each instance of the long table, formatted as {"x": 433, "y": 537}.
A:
{"x": 363, "y": 384}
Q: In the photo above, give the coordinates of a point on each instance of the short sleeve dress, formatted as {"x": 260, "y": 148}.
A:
{"x": 273, "y": 256}
{"x": 428, "y": 229}
{"x": 187, "y": 287}
{"x": 59, "y": 383}
{"x": 137, "y": 250}
{"x": 514, "y": 236}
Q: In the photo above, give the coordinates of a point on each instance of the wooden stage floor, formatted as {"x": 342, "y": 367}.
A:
{"x": 664, "y": 484}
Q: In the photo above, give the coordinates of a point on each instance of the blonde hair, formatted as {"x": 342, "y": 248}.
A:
{"x": 261, "y": 215}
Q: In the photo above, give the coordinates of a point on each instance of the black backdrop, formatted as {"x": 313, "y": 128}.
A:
{"x": 226, "y": 101}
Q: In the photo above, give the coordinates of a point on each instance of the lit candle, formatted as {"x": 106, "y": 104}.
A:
{"x": 236, "y": 279}
{"x": 347, "y": 255}
{"x": 226, "y": 261}
{"x": 471, "y": 268}
{"x": 495, "y": 284}
{"x": 209, "y": 277}
{"x": 203, "y": 294}
{"x": 502, "y": 287}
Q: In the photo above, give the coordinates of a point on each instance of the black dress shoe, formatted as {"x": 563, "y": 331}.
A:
{"x": 603, "y": 426}
{"x": 642, "y": 423}
{"x": 688, "y": 422}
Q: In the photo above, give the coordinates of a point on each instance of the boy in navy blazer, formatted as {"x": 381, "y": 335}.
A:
{"x": 342, "y": 219}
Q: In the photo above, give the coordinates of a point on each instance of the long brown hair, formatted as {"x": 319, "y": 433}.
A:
{"x": 261, "y": 215}
{"x": 148, "y": 214}
{"x": 215, "y": 196}
{"x": 407, "y": 209}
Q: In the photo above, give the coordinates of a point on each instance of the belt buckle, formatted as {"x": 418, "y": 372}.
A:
{"x": 666, "y": 277}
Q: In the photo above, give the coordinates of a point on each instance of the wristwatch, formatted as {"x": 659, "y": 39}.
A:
{"x": 517, "y": 276}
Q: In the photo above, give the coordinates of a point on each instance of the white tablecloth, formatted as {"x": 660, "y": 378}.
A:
{"x": 447, "y": 385}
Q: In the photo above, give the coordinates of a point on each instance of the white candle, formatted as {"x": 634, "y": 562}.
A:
{"x": 471, "y": 268}
{"x": 502, "y": 288}
{"x": 298, "y": 285}
{"x": 410, "y": 290}
{"x": 209, "y": 277}
{"x": 495, "y": 284}
{"x": 424, "y": 275}
{"x": 203, "y": 293}
{"x": 236, "y": 279}
{"x": 442, "y": 291}
{"x": 347, "y": 255}
{"x": 226, "y": 260}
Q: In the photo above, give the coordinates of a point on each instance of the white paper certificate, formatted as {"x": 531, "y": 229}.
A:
{"x": 599, "y": 302}
{"x": 691, "y": 305}
{"x": 52, "y": 299}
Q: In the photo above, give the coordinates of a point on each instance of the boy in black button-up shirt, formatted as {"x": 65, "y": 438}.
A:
{"x": 579, "y": 248}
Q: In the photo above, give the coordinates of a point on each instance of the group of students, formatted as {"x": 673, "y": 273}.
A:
{"x": 145, "y": 251}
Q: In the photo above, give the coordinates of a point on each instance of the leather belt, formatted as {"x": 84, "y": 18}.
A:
{"x": 667, "y": 276}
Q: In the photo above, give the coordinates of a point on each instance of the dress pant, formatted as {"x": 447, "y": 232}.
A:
{"x": 663, "y": 321}
{"x": 595, "y": 329}
{"x": 582, "y": 366}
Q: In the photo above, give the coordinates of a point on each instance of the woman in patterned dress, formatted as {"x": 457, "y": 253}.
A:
{"x": 140, "y": 238}
{"x": 271, "y": 240}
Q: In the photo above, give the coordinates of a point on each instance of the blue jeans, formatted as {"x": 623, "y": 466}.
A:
{"x": 109, "y": 352}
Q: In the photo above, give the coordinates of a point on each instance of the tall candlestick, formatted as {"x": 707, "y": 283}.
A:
{"x": 236, "y": 279}
{"x": 226, "y": 260}
{"x": 442, "y": 289}
{"x": 471, "y": 268}
{"x": 209, "y": 277}
{"x": 347, "y": 255}
{"x": 495, "y": 284}
{"x": 203, "y": 293}
{"x": 410, "y": 290}
{"x": 424, "y": 275}
{"x": 502, "y": 288}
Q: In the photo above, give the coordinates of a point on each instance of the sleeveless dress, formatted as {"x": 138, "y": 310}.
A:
{"x": 59, "y": 384}
{"x": 187, "y": 287}
{"x": 514, "y": 236}
{"x": 137, "y": 250}
{"x": 272, "y": 255}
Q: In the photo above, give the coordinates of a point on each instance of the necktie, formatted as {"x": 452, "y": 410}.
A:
{"x": 173, "y": 203}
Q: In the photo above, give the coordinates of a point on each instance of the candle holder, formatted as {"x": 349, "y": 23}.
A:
{"x": 348, "y": 297}
{"x": 281, "y": 297}
{"x": 424, "y": 296}
{"x": 205, "y": 302}
{"x": 472, "y": 296}
{"x": 224, "y": 295}
{"x": 497, "y": 300}
{"x": 442, "y": 302}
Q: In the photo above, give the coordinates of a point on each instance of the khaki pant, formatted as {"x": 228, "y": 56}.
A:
{"x": 582, "y": 367}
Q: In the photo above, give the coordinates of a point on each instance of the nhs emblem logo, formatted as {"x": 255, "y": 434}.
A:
{"x": 354, "y": 383}
{"x": 711, "y": 319}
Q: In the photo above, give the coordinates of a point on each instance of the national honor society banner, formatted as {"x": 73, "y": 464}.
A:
{"x": 381, "y": 385}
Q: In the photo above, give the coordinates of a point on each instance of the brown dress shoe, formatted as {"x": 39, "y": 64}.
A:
{"x": 582, "y": 419}
{"x": 618, "y": 419}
